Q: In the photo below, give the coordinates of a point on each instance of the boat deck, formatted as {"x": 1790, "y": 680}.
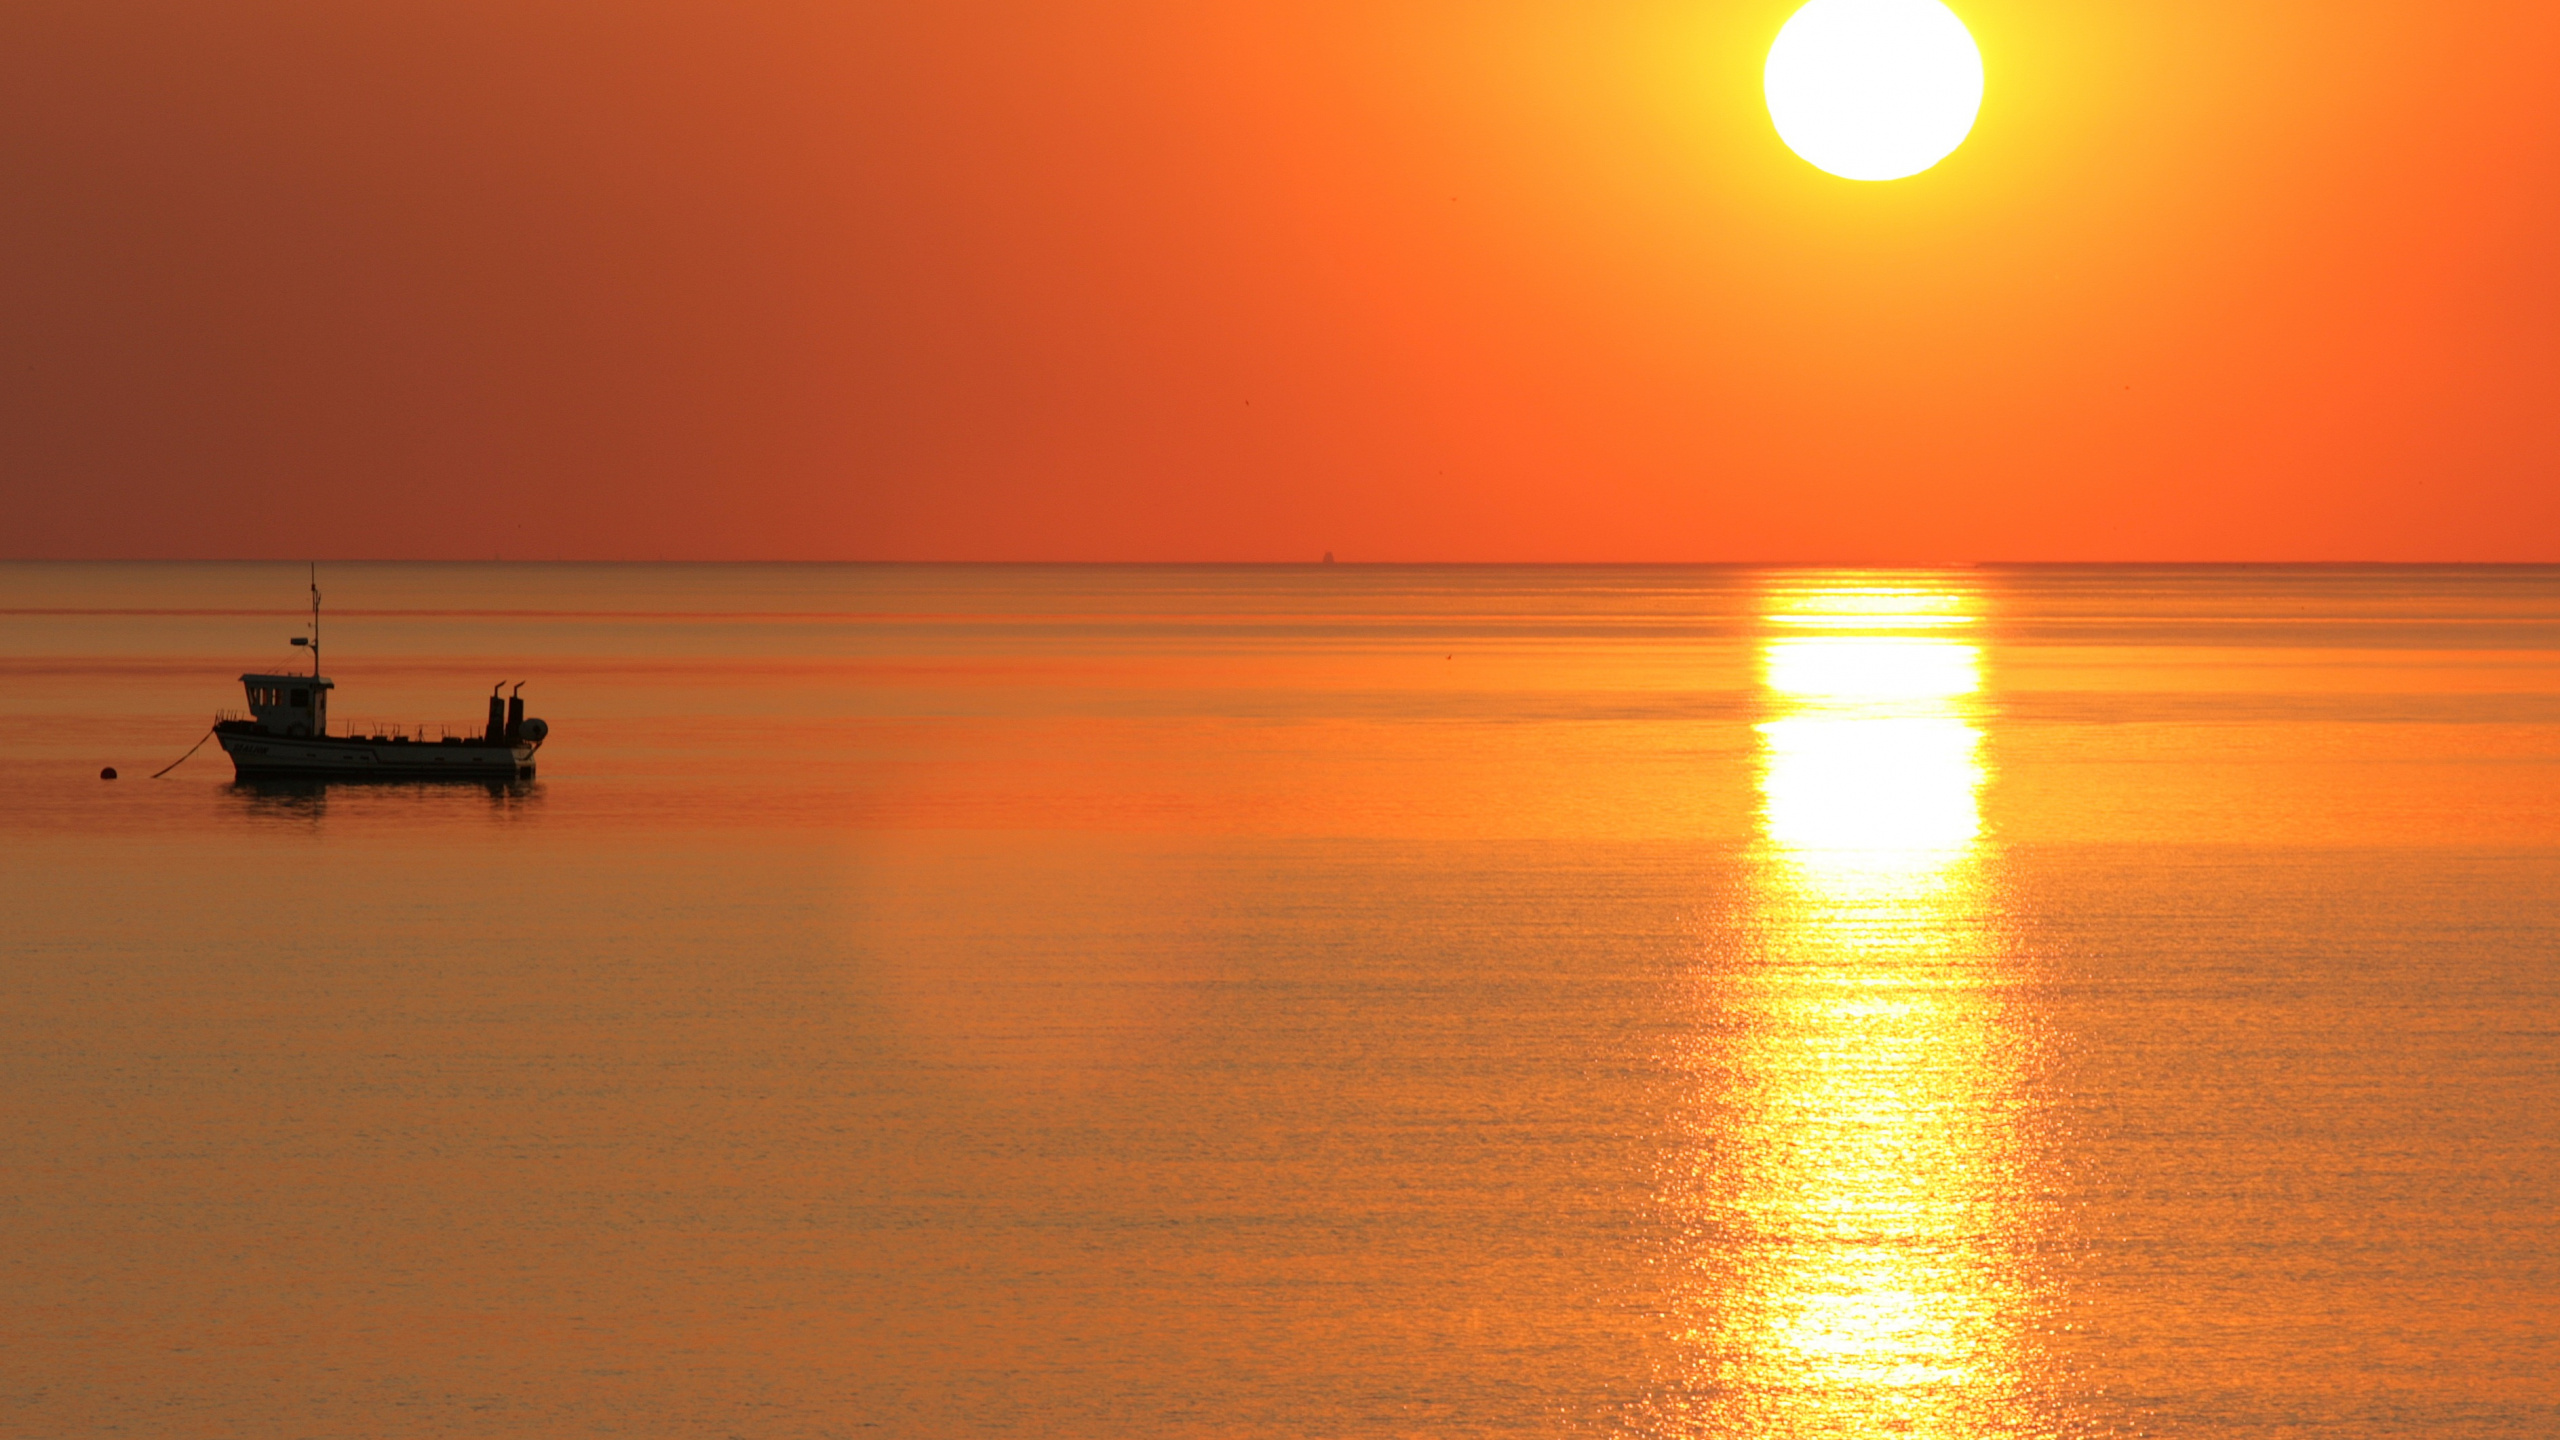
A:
{"x": 256, "y": 750}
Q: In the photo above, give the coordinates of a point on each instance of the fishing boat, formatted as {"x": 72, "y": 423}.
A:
{"x": 286, "y": 732}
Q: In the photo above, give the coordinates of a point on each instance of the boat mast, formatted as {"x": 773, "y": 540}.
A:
{"x": 315, "y": 619}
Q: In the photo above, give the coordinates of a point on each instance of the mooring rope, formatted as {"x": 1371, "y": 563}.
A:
{"x": 181, "y": 760}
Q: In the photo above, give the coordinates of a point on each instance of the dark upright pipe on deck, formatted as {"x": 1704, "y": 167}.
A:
{"x": 497, "y": 715}
{"x": 515, "y": 713}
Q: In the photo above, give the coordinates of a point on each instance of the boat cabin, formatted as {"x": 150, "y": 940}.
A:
{"x": 289, "y": 704}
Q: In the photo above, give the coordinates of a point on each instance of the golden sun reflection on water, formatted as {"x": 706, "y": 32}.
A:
{"x": 1854, "y": 1191}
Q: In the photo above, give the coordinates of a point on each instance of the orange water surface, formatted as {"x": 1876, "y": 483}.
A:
{"x": 1317, "y": 1001}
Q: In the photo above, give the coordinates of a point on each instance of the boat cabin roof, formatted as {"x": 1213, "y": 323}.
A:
{"x": 315, "y": 682}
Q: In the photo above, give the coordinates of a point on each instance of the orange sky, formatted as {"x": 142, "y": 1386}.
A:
{"x": 1164, "y": 279}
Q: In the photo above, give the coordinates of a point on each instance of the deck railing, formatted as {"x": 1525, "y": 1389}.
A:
{"x": 414, "y": 734}
{"x": 380, "y": 730}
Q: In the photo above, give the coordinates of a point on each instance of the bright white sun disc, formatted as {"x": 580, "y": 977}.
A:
{"x": 1874, "y": 89}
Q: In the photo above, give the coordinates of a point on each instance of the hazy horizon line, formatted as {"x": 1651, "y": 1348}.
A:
{"x": 1316, "y": 564}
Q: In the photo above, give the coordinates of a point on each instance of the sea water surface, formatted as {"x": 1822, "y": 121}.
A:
{"x": 1321, "y": 1001}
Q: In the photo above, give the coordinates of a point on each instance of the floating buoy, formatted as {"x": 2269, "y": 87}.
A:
{"x": 107, "y": 774}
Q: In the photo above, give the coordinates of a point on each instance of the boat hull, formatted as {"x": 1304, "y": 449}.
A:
{"x": 260, "y": 754}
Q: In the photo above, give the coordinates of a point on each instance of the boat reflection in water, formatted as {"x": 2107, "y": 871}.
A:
{"x": 1851, "y": 1203}
{"x": 309, "y": 797}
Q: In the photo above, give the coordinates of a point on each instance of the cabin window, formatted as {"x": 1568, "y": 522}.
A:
{"x": 302, "y": 697}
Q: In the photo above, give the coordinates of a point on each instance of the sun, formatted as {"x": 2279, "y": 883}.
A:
{"x": 1874, "y": 89}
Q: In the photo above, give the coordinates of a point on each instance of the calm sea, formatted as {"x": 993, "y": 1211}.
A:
{"x": 1294, "y": 1002}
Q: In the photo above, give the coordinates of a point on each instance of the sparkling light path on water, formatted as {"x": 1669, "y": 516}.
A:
{"x": 1854, "y": 1170}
